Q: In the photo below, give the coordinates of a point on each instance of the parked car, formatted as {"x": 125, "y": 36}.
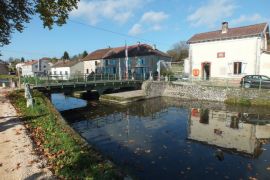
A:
{"x": 255, "y": 81}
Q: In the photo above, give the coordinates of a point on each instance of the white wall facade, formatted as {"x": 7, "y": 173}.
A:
{"x": 67, "y": 72}
{"x": 265, "y": 64}
{"x": 245, "y": 50}
{"x": 61, "y": 72}
{"x": 39, "y": 68}
{"x": 90, "y": 66}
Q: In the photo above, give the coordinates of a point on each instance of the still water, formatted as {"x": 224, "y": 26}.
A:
{"x": 167, "y": 138}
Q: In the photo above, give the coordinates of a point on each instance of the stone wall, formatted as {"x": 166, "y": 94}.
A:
{"x": 199, "y": 92}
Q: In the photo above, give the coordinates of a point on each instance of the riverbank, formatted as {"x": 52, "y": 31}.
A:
{"x": 68, "y": 155}
{"x": 228, "y": 95}
{"x": 18, "y": 159}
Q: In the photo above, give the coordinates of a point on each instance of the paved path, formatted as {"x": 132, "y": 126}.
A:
{"x": 17, "y": 157}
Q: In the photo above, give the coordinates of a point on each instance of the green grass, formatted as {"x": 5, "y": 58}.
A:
{"x": 68, "y": 156}
{"x": 4, "y": 76}
{"x": 248, "y": 102}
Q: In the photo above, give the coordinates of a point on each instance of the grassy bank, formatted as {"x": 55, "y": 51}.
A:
{"x": 67, "y": 155}
{"x": 248, "y": 102}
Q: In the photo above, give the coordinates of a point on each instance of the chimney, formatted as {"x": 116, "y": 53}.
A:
{"x": 138, "y": 43}
{"x": 225, "y": 27}
{"x": 154, "y": 47}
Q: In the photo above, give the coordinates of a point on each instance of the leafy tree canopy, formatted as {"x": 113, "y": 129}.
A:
{"x": 179, "y": 51}
{"x": 14, "y": 13}
{"x": 84, "y": 54}
{"x": 66, "y": 55}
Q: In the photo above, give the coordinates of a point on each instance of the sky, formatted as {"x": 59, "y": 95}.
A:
{"x": 99, "y": 24}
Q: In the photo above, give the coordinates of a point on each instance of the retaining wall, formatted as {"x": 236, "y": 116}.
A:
{"x": 200, "y": 92}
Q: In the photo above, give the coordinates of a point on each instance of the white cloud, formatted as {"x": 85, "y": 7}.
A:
{"x": 136, "y": 29}
{"x": 119, "y": 11}
{"x": 150, "y": 21}
{"x": 254, "y": 18}
{"x": 154, "y": 17}
{"x": 212, "y": 12}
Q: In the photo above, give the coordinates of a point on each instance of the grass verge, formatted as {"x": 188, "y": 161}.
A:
{"x": 248, "y": 102}
{"x": 68, "y": 156}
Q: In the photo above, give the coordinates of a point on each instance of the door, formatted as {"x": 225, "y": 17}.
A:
{"x": 206, "y": 70}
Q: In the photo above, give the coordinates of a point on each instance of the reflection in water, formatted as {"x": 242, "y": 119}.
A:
{"x": 62, "y": 102}
{"x": 228, "y": 130}
{"x": 170, "y": 139}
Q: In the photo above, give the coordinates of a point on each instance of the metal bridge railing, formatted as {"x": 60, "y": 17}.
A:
{"x": 79, "y": 78}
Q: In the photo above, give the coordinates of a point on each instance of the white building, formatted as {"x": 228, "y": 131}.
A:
{"x": 93, "y": 60}
{"x": 66, "y": 69}
{"x": 35, "y": 67}
{"x": 227, "y": 130}
{"x": 230, "y": 52}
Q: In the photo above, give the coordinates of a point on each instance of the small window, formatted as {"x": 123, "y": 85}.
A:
{"x": 60, "y": 72}
{"x": 237, "y": 67}
{"x": 66, "y": 73}
{"x": 44, "y": 66}
{"x": 36, "y": 66}
{"x": 96, "y": 63}
{"x": 87, "y": 71}
{"x": 54, "y": 72}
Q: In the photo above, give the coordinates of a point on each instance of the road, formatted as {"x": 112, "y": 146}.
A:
{"x": 18, "y": 159}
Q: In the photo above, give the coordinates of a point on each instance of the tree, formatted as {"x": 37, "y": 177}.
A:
{"x": 22, "y": 59}
{"x": 65, "y": 56}
{"x": 179, "y": 51}
{"x": 14, "y": 13}
{"x": 84, "y": 54}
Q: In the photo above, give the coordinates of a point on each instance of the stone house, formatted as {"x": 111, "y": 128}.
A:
{"x": 66, "y": 69}
{"x": 230, "y": 52}
{"x": 142, "y": 60}
{"x": 35, "y": 68}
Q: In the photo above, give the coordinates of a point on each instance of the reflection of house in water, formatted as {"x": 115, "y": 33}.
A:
{"x": 227, "y": 130}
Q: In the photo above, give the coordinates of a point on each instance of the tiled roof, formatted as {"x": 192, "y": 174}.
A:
{"x": 119, "y": 52}
{"x": 28, "y": 63}
{"x": 239, "y": 32}
{"x": 65, "y": 63}
{"x": 98, "y": 54}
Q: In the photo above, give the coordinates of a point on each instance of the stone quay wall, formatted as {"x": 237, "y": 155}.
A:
{"x": 200, "y": 92}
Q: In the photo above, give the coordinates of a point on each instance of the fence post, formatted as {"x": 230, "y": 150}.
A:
{"x": 36, "y": 81}
{"x": 62, "y": 82}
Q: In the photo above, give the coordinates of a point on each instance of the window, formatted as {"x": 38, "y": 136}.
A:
{"x": 60, "y": 72}
{"x": 36, "y": 66}
{"x": 265, "y": 78}
{"x": 66, "y": 73}
{"x": 96, "y": 63}
{"x": 44, "y": 66}
{"x": 237, "y": 67}
{"x": 87, "y": 71}
{"x": 204, "y": 116}
{"x": 54, "y": 72}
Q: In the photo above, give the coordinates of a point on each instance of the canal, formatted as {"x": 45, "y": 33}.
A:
{"x": 166, "y": 138}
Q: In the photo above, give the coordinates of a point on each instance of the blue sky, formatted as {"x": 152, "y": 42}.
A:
{"x": 160, "y": 22}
